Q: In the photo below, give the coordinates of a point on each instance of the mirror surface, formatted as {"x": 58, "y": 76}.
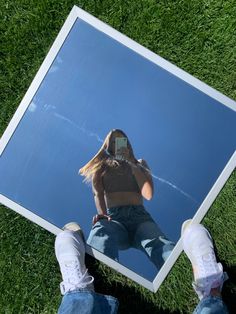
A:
{"x": 94, "y": 85}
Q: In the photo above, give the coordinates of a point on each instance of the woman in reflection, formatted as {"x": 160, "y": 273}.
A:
{"x": 120, "y": 182}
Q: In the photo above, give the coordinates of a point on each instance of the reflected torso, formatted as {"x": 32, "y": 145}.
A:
{"x": 123, "y": 198}
{"x": 120, "y": 186}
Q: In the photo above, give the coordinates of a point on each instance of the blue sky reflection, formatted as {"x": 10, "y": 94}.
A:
{"x": 96, "y": 84}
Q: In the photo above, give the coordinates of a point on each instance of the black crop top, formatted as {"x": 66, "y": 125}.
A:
{"x": 119, "y": 179}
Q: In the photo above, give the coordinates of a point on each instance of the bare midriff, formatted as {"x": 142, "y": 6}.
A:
{"x": 115, "y": 199}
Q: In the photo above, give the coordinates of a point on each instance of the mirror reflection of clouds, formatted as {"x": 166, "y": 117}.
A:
{"x": 96, "y": 84}
{"x": 81, "y": 128}
{"x": 56, "y": 66}
{"x": 32, "y": 107}
{"x": 53, "y": 69}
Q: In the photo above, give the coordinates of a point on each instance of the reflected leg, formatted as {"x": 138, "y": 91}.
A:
{"x": 152, "y": 241}
{"x": 109, "y": 237}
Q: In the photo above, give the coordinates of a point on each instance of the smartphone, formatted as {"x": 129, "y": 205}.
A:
{"x": 120, "y": 142}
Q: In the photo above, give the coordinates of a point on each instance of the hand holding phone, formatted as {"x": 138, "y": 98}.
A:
{"x": 121, "y": 150}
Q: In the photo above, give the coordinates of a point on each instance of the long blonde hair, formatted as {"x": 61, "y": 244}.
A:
{"x": 104, "y": 157}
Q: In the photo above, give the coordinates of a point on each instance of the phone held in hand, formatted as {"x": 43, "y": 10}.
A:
{"x": 120, "y": 142}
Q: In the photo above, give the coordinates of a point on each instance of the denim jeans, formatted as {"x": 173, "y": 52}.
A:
{"x": 211, "y": 305}
{"x": 131, "y": 226}
{"x": 87, "y": 302}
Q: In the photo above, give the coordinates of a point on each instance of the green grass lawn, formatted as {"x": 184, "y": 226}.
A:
{"x": 199, "y": 37}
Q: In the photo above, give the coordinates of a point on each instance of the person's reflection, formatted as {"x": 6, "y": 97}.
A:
{"x": 120, "y": 182}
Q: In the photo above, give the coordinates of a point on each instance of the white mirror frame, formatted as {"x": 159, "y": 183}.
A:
{"x": 229, "y": 167}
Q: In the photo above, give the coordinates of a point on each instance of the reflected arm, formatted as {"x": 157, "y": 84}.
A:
{"x": 143, "y": 178}
{"x": 98, "y": 192}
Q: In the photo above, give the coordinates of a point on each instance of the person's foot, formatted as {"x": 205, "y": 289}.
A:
{"x": 197, "y": 244}
{"x": 70, "y": 253}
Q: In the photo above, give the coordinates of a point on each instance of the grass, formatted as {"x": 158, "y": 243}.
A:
{"x": 199, "y": 37}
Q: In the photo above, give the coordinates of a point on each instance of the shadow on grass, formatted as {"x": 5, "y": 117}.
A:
{"x": 229, "y": 288}
{"x": 131, "y": 300}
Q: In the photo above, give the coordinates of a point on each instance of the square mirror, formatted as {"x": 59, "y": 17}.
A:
{"x": 172, "y": 150}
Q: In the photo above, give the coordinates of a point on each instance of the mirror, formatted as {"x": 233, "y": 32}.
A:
{"x": 94, "y": 84}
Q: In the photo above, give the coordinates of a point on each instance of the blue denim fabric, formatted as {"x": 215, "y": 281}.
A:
{"x": 87, "y": 302}
{"x": 211, "y": 305}
{"x": 131, "y": 226}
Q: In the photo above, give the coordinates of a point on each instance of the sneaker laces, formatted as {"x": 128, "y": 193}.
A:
{"x": 74, "y": 277}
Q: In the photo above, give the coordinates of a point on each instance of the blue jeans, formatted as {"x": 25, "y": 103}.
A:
{"x": 87, "y": 302}
{"x": 131, "y": 226}
{"x": 211, "y": 305}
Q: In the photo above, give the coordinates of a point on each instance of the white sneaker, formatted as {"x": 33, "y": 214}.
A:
{"x": 197, "y": 244}
{"x": 73, "y": 226}
{"x": 70, "y": 253}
